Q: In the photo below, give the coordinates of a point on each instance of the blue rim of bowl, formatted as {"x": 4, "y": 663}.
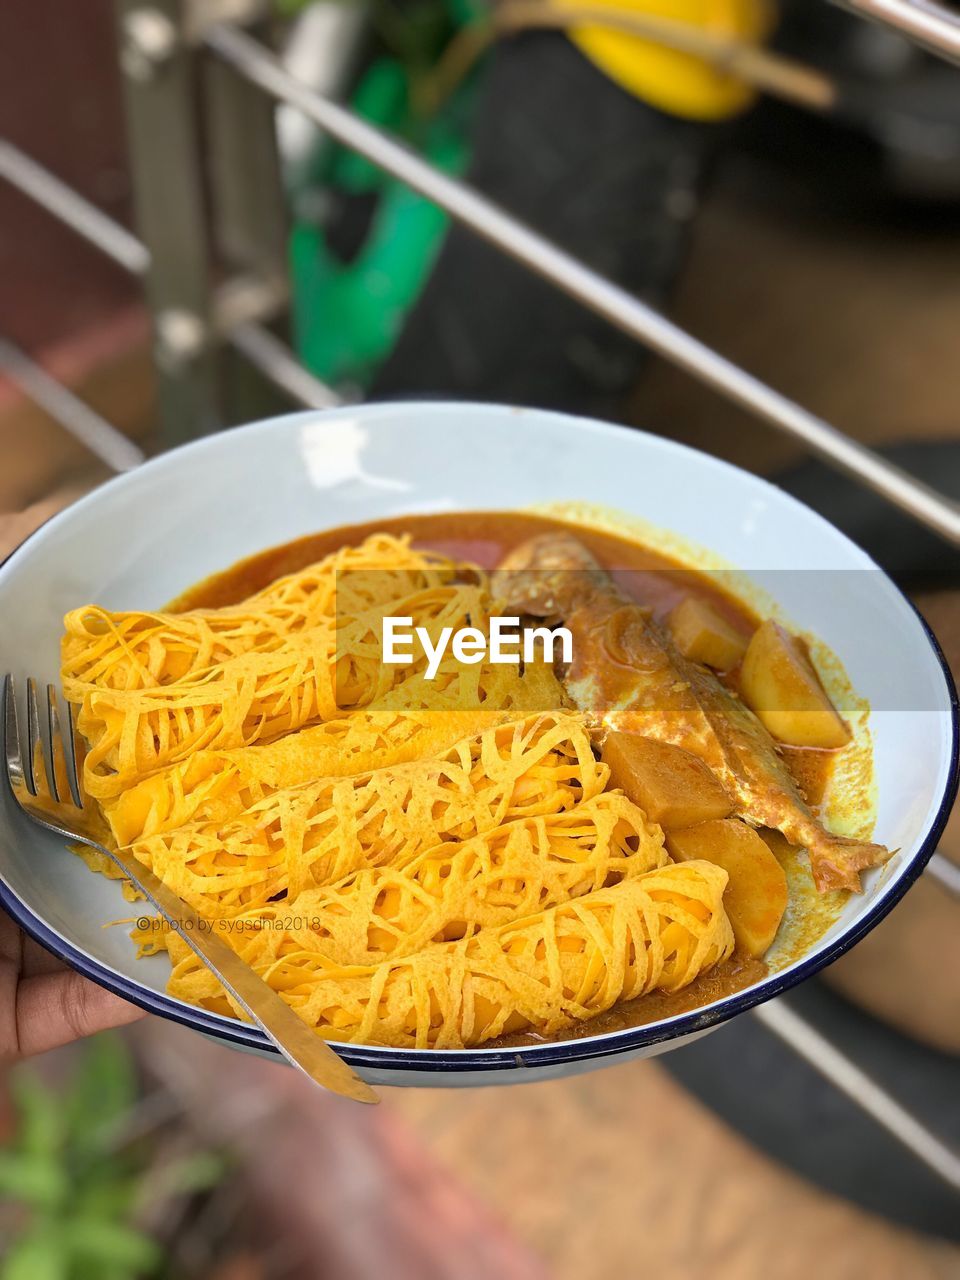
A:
{"x": 548, "y": 1054}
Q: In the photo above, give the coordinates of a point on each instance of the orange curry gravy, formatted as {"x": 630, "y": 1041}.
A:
{"x": 484, "y": 537}
{"x": 650, "y": 577}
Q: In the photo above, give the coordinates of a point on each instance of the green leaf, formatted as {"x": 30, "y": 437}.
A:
{"x": 113, "y": 1244}
{"x": 40, "y": 1113}
{"x": 288, "y": 8}
{"x": 36, "y": 1257}
{"x": 84, "y": 1269}
{"x": 109, "y": 1196}
{"x": 34, "y": 1179}
{"x": 103, "y": 1090}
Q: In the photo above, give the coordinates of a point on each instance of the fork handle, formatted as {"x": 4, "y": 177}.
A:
{"x": 299, "y": 1045}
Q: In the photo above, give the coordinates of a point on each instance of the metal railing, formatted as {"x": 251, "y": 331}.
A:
{"x": 193, "y": 319}
{"x": 927, "y": 23}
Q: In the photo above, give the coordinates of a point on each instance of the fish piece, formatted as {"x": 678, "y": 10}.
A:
{"x": 628, "y": 673}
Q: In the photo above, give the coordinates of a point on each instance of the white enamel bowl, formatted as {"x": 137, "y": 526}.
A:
{"x": 141, "y": 539}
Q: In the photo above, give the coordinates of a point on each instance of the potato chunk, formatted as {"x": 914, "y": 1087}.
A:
{"x": 780, "y": 685}
{"x": 702, "y": 635}
{"x": 670, "y": 785}
{"x": 756, "y": 897}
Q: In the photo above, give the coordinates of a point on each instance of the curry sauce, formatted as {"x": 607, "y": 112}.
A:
{"x": 484, "y": 537}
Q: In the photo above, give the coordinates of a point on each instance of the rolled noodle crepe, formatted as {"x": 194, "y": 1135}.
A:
{"x": 136, "y": 650}
{"x": 321, "y": 831}
{"x": 542, "y": 973}
{"x": 449, "y": 892}
{"x": 221, "y": 785}
{"x": 152, "y": 689}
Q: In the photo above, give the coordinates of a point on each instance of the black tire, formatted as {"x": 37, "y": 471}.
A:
{"x": 606, "y": 176}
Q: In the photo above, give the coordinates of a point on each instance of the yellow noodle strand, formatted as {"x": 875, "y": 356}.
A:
{"x": 266, "y": 671}
{"x": 450, "y": 892}
{"x": 222, "y": 785}
{"x": 544, "y": 973}
{"x": 321, "y": 831}
{"x": 139, "y": 650}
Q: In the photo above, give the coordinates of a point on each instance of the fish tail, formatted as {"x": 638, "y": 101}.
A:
{"x": 836, "y": 861}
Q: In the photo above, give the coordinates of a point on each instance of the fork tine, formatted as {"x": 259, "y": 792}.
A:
{"x": 37, "y": 769}
{"x": 62, "y": 746}
{"x": 53, "y": 730}
{"x": 11, "y": 734}
{"x": 74, "y": 755}
{"x": 59, "y": 779}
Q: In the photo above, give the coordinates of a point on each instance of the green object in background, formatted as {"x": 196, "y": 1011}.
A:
{"x": 71, "y": 1182}
{"x": 348, "y": 314}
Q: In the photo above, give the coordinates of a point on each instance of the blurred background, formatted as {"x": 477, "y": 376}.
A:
{"x": 809, "y": 232}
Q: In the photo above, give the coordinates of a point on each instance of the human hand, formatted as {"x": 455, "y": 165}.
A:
{"x": 44, "y": 1004}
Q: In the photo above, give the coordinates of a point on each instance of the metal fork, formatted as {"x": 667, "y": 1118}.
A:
{"x": 46, "y": 784}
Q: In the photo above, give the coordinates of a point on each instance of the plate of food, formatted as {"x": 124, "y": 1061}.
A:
{"x": 502, "y": 744}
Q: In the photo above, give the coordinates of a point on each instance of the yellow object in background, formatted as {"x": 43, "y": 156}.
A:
{"x": 674, "y": 82}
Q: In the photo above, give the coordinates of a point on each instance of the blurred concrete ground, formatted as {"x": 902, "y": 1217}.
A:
{"x": 616, "y": 1174}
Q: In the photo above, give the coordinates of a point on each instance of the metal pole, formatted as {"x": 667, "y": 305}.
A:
{"x": 248, "y": 204}
{"x": 845, "y": 1075}
{"x": 944, "y": 872}
{"x": 158, "y": 73}
{"x": 83, "y": 423}
{"x": 593, "y": 290}
{"x": 926, "y": 23}
{"x": 278, "y": 363}
{"x": 248, "y": 211}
